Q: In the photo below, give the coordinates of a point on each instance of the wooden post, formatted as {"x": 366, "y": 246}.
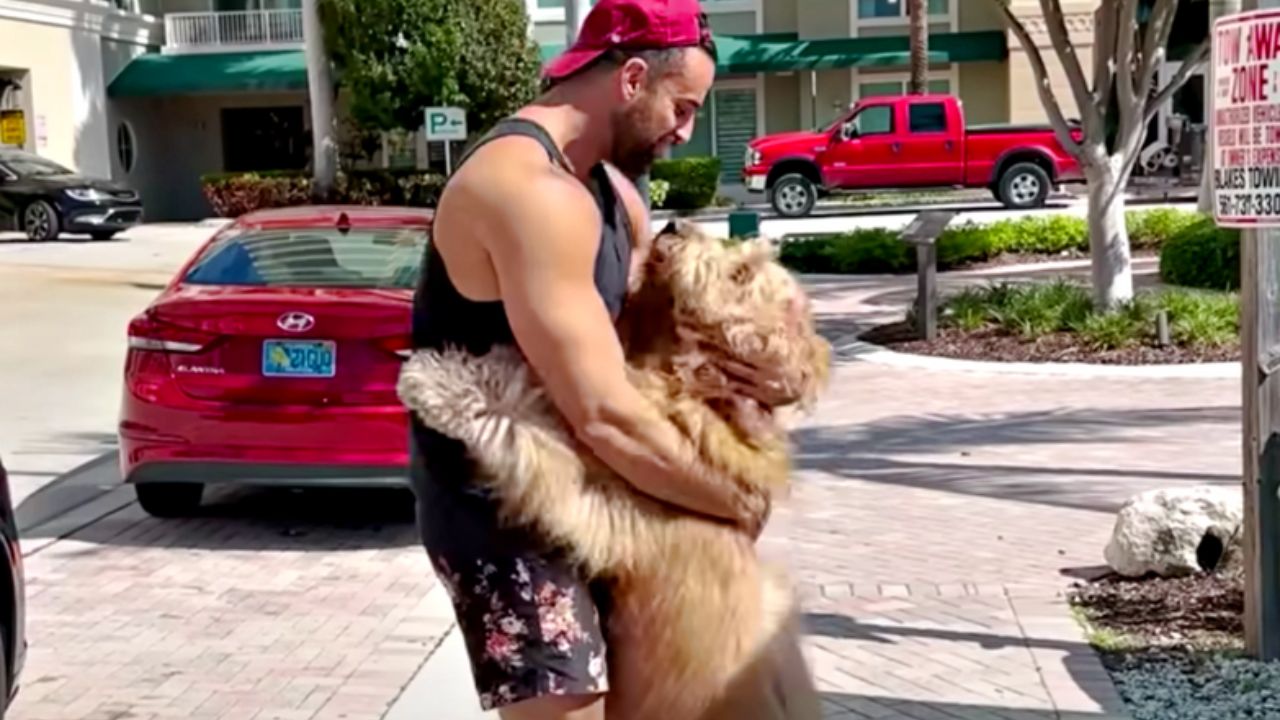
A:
{"x": 927, "y": 290}
{"x": 1260, "y": 386}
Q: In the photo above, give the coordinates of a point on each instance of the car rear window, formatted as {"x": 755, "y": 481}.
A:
{"x": 359, "y": 258}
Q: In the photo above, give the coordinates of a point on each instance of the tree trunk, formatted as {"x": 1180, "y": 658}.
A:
{"x": 324, "y": 154}
{"x": 1108, "y": 234}
{"x": 919, "y": 15}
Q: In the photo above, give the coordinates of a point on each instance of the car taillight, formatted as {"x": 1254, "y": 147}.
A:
{"x": 398, "y": 344}
{"x": 147, "y": 333}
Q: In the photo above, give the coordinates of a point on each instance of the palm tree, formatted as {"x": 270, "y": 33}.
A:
{"x": 918, "y": 11}
{"x": 324, "y": 152}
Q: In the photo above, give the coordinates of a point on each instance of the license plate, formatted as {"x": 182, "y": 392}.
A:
{"x": 299, "y": 358}
{"x": 755, "y": 182}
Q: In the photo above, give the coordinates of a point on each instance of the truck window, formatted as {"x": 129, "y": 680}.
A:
{"x": 875, "y": 120}
{"x": 928, "y": 118}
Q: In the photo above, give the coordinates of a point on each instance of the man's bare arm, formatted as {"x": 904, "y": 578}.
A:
{"x": 543, "y": 246}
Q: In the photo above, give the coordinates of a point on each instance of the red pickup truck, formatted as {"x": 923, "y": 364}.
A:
{"x": 908, "y": 141}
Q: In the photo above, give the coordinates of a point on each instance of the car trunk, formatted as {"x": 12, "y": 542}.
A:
{"x": 340, "y": 348}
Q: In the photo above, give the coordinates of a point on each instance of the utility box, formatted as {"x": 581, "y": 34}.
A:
{"x": 744, "y": 224}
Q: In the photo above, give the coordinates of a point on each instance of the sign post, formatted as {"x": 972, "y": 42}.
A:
{"x": 446, "y": 124}
{"x": 923, "y": 233}
{"x": 1245, "y": 162}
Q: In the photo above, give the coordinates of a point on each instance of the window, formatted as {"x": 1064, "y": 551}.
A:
{"x": 378, "y": 258}
{"x": 927, "y": 117}
{"x": 871, "y": 9}
{"x": 125, "y": 152}
{"x": 877, "y": 120}
{"x": 880, "y": 88}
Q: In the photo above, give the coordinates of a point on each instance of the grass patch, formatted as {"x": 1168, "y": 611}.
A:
{"x": 1197, "y": 318}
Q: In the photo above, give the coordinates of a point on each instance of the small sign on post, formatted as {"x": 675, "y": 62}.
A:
{"x": 446, "y": 124}
{"x": 923, "y": 233}
{"x": 1245, "y": 124}
{"x": 13, "y": 128}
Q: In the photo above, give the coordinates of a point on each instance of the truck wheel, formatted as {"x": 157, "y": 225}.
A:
{"x": 1024, "y": 185}
{"x": 794, "y": 195}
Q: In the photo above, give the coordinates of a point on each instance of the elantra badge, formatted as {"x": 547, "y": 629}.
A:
{"x": 295, "y": 322}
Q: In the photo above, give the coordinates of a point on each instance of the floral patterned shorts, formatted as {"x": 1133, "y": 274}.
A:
{"x": 532, "y": 626}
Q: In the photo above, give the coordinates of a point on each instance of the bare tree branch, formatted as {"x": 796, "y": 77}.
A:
{"x": 1061, "y": 40}
{"x": 1126, "y": 20}
{"x": 1104, "y": 59}
{"x": 1194, "y": 61}
{"x": 1059, "y": 123}
{"x": 1155, "y": 46}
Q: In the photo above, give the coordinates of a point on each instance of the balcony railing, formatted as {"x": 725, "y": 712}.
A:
{"x": 233, "y": 30}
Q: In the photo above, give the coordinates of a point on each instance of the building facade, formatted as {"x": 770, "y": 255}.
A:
{"x": 158, "y": 93}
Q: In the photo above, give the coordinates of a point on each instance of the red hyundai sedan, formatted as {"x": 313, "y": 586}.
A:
{"x": 272, "y": 357}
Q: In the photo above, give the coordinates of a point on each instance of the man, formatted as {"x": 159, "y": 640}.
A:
{"x": 535, "y": 240}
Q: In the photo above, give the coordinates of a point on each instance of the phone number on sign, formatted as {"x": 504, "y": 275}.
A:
{"x": 1249, "y": 204}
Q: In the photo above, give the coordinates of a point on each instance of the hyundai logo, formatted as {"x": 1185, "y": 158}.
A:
{"x": 296, "y": 322}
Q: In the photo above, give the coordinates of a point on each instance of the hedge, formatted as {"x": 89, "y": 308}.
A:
{"x": 878, "y": 250}
{"x": 687, "y": 183}
{"x": 233, "y": 194}
{"x": 1202, "y": 255}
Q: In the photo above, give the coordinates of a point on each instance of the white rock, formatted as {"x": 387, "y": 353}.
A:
{"x": 1160, "y": 531}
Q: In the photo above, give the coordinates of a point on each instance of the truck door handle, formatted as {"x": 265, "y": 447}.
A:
{"x": 896, "y": 147}
{"x": 949, "y": 145}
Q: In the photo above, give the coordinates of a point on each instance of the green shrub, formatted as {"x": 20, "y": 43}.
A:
{"x": 1149, "y": 229}
{"x": 969, "y": 243}
{"x": 1202, "y": 255}
{"x": 872, "y": 250}
{"x": 658, "y": 190}
{"x": 1033, "y": 310}
{"x": 691, "y": 182}
{"x": 234, "y": 194}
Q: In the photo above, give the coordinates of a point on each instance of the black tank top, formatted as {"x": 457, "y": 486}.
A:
{"x": 443, "y": 316}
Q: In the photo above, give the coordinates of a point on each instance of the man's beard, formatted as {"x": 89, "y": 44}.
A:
{"x": 632, "y": 152}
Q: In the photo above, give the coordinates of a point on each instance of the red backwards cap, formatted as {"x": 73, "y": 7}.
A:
{"x": 631, "y": 25}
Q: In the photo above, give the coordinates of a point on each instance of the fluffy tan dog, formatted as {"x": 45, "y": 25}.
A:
{"x": 699, "y": 629}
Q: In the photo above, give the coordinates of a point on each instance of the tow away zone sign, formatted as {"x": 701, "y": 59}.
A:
{"x": 1245, "y": 119}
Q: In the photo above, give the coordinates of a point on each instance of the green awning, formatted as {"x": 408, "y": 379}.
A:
{"x": 159, "y": 74}
{"x": 786, "y": 52}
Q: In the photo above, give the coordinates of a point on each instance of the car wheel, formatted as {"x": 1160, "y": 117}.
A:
{"x": 794, "y": 195}
{"x": 169, "y": 500}
{"x": 40, "y": 221}
{"x": 1024, "y": 185}
{"x": 102, "y": 235}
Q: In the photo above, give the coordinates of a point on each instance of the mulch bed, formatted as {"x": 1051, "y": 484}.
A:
{"x": 993, "y": 344}
{"x": 1163, "y": 612}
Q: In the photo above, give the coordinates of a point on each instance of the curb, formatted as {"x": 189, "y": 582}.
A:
{"x": 849, "y": 347}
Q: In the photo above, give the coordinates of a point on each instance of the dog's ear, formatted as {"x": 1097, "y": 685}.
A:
{"x": 671, "y": 228}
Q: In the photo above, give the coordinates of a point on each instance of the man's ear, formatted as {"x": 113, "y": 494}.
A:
{"x": 632, "y": 77}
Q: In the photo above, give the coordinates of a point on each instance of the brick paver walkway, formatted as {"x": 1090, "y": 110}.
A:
{"x": 936, "y": 518}
{"x": 258, "y": 611}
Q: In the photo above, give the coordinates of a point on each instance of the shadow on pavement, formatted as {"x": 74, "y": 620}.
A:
{"x": 1076, "y": 660}
{"x": 269, "y": 519}
{"x": 230, "y": 518}
{"x": 859, "y": 451}
{"x": 844, "y": 706}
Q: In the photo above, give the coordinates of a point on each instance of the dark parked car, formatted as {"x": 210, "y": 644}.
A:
{"x": 43, "y": 199}
{"x": 13, "y": 636}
